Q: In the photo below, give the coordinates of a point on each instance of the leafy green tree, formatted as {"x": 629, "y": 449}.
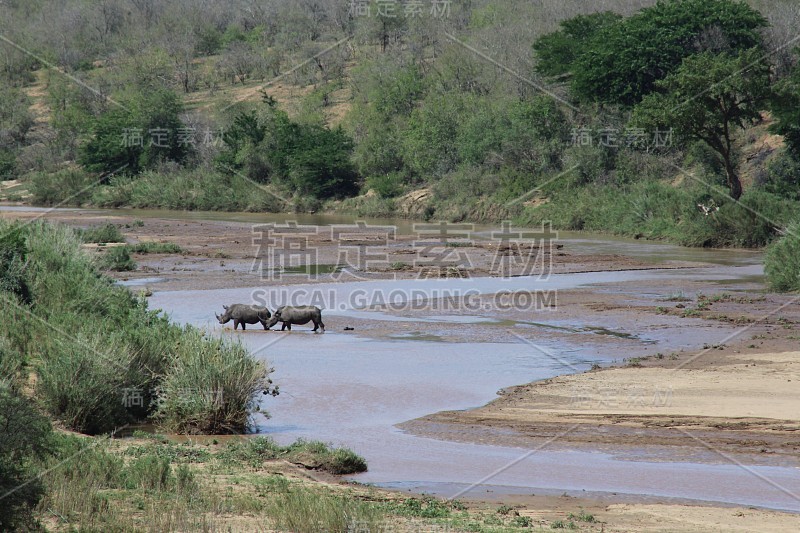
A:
{"x": 708, "y": 98}
{"x": 623, "y": 61}
{"x": 309, "y": 159}
{"x": 138, "y": 136}
{"x": 557, "y": 51}
{"x": 786, "y": 109}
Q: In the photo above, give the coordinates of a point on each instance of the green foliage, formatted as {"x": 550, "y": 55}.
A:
{"x": 103, "y": 347}
{"x": 782, "y": 261}
{"x": 657, "y": 210}
{"x": 102, "y": 234}
{"x": 155, "y": 248}
{"x": 556, "y": 52}
{"x": 13, "y": 261}
{"x": 116, "y": 258}
{"x": 210, "y": 386}
{"x": 25, "y": 438}
{"x": 783, "y": 176}
{"x": 707, "y": 98}
{"x": 198, "y": 189}
{"x": 150, "y": 472}
{"x": 312, "y": 454}
{"x": 422, "y": 508}
{"x": 623, "y": 62}
{"x": 15, "y": 124}
{"x": 136, "y": 135}
{"x": 786, "y": 109}
{"x": 307, "y": 159}
{"x": 68, "y": 186}
{"x": 81, "y": 380}
{"x": 307, "y": 511}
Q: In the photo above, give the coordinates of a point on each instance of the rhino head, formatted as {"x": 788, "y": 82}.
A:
{"x": 224, "y": 318}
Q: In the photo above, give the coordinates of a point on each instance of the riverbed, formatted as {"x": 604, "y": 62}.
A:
{"x": 414, "y": 350}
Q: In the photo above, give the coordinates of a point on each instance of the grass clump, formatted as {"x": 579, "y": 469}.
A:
{"x": 25, "y": 439}
{"x": 782, "y": 261}
{"x": 422, "y": 508}
{"x": 311, "y": 454}
{"x": 117, "y": 259}
{"x": 155, "y": 248}
{"x": 307, "y": 511}
{"x": 210, "y": 386}
{"x": 102, "y": 234}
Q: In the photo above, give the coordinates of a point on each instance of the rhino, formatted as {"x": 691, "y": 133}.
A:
{"x": 301, "y": 314}
{"x": 244, "y": 314}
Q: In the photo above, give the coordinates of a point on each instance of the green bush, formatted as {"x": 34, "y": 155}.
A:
{"x": 150, "y": 472}
{"x": 209, "y": 386}
{"x": 782, "y": 261}
{"x": 116, "y": 258}
{"x": 26, "y": 439}
{"x": 113, "y": 145}
{"x": 64, "y": 187}
{"x": 189, "y": 190}
{"x": 155, "y": 248}
{"x": 82, "y": 381}
{"x": 102, "y": 234}
{"x": 14, "y": 261}
{"x": 103, "y": 355}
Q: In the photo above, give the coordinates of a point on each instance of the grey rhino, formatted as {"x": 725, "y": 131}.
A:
{"x": 244, "y": 314}
{"x": 300, "y": 314}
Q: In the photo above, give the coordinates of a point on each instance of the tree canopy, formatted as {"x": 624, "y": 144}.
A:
{"x": 622, "y": 60}
{"x": 707, "y": 98}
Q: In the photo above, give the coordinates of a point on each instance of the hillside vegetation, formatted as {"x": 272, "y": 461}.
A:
{"x": 667, "y": 120}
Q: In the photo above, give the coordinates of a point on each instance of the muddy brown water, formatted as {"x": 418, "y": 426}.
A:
{"x": 352, "y": 389}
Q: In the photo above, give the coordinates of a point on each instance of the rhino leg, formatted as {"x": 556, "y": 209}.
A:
{"x": 318, "y": 324}
{"x": 264, "y": 323}
{"x": 235, "y": 324}
{"x": 244, "y": 325}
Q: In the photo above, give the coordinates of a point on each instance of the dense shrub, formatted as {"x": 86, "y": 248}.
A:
{"x": 64, "y": 187}
{"x": 24, "y": 439}
{"x": 210, "y": 386}
{"x": 116, "y": 258}
{"x": 103, "y": 357}
{"x": 782, "y": 262}
{"x": 102, "y": 234}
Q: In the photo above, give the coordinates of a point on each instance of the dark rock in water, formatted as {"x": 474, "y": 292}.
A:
{"x": 348, "y": 328}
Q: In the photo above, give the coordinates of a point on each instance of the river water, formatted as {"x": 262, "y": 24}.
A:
{"x": 353, "y": 390}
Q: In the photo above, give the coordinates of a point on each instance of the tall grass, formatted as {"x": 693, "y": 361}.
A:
{"x": 657, "y": 210}
{"x": 782, "y": 261}
{"x": 102, "y": 234}
{"x": 196, "y": 189}
{"x": 307, "y": 511}
{"x": 103, "y": 359}
{"x": 210, "y": 386}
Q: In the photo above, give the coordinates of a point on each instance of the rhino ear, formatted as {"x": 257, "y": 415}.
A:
{"x": 225, "y": 307}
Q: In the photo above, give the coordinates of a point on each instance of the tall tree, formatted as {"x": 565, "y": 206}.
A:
{"x": 623, "y": 61}
{"x": 707, "y": 99}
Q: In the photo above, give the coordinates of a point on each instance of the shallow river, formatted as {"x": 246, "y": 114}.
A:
{"x": 353, "y": 391}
